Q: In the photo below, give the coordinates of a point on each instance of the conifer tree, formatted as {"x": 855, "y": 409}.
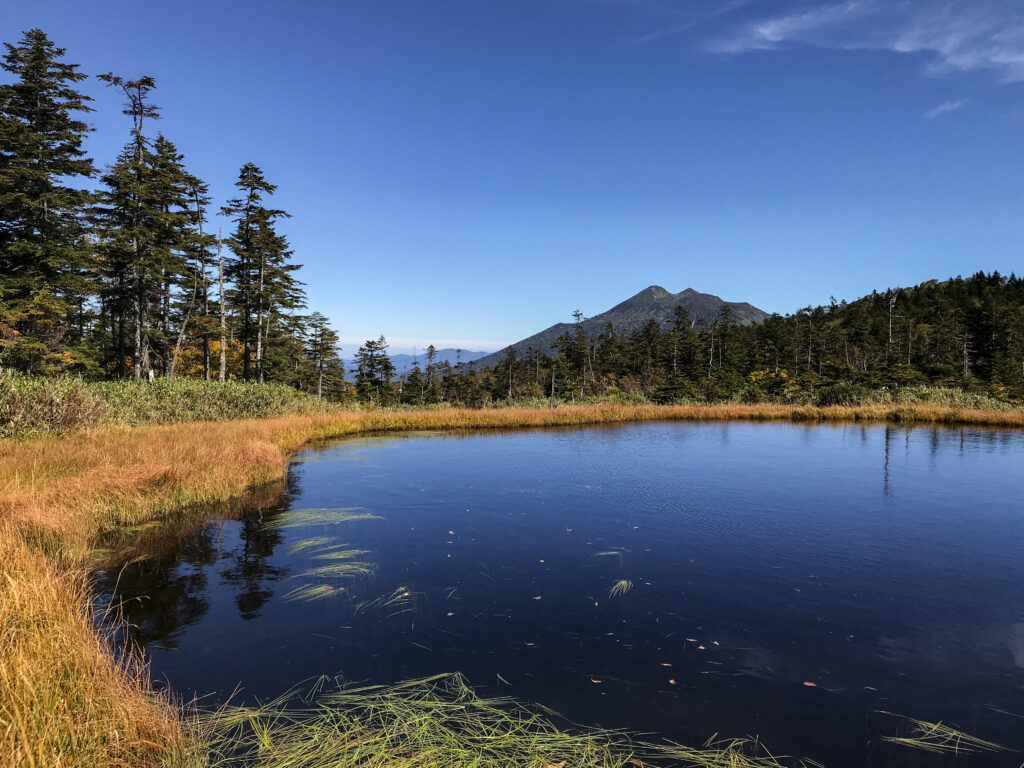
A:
{"x": 323, "y": 349}
{"x": 200, "y": 257}
{"x": 44, "y": 254}
{"x": 152, "y": 250}
{"x": 261, "y": 271}
{"x": 374, "y": 371}
{"x": 128, "y": 218}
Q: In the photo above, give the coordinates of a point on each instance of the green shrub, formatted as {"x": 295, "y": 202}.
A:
{"x": 953, "y": 398}
{"x": 31, "y": 406}
{"x": 841, "y": 393}
{"x": 165, "y": 401}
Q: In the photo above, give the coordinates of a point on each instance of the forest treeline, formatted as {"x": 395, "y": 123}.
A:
{"x": 128, "y": 279}
{"x": 962, "y": 333}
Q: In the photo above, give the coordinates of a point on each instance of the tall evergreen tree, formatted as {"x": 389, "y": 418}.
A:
{"x": 374, "y": 371}
{"x": 128, "y": 218}
{"x": 261, "y": 271}
{"x": 199, "y": 257}
{"x": 148, "y": 242}
{"x": 323, "y": 349}
{"x": 44, "y": 253}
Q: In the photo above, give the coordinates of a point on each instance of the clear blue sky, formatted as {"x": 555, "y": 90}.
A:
{"x": 470, "y": 172}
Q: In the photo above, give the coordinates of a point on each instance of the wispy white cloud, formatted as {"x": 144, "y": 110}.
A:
{"x": 768, "y": 33}
{"x": 954, "y": 35}
{"x": 944, "y": 107}
{"x": 675, "y": 18}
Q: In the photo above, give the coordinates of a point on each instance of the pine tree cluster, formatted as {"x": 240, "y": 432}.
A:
{"x": 128, "y": 280}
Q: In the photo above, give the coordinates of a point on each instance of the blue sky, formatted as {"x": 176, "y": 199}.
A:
{"x": 467, "y": 173}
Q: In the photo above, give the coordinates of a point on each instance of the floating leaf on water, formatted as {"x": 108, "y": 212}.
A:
{"x": 620, "y": 587}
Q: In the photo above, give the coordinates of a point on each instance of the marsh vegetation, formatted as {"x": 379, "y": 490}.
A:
{"x": 645, "y": 599}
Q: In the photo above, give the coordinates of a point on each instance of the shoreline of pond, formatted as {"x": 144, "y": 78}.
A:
{"x": 61, "y": 493}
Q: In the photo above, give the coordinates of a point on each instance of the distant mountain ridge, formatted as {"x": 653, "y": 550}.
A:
{"x": 652, "y": 303}
{"x": 403, "y": 362}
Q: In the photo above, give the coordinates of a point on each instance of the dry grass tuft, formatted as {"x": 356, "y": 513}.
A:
{"x": 65, "y": 698}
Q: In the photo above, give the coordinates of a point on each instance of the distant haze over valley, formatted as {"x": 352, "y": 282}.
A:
{"x": 403, "y": 362}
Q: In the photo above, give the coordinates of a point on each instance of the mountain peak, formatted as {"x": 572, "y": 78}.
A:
{"x": 650, "y": 293}
{"x": 652, "y": 303}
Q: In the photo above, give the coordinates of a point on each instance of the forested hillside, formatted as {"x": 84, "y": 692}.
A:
{"x": 963, "y": 333}
{"x": 652, "y": 303}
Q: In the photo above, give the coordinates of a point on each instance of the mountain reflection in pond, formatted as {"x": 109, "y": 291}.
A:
{"x": 791, "y": 582}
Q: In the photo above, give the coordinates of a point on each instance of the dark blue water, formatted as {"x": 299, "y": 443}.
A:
{"x": 884, "y": 566}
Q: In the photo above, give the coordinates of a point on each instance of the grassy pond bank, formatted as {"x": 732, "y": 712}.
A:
{"x": 68, "y": 697}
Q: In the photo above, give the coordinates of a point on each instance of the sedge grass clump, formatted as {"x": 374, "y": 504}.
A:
{"x": 302, "y": 518}
{"x": 438, "y": 722}
{"x": 308, "y": 593}
{"x": 313, "y": 542}
{"x": 434, "y": 723}
{"x": 397, "y": 601}
{"x": 939, "y": 738}
{"x": 728, "y": 753}
{"x": 620, "y": 587}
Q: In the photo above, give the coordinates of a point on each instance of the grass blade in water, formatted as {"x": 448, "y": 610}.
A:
{"x": 620, "y": 587}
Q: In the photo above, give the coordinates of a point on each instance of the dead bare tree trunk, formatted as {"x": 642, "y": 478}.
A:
{"x": 223, "y": 324}
{"x": 181, "y": 332}
{"x": 259, "y": 322}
